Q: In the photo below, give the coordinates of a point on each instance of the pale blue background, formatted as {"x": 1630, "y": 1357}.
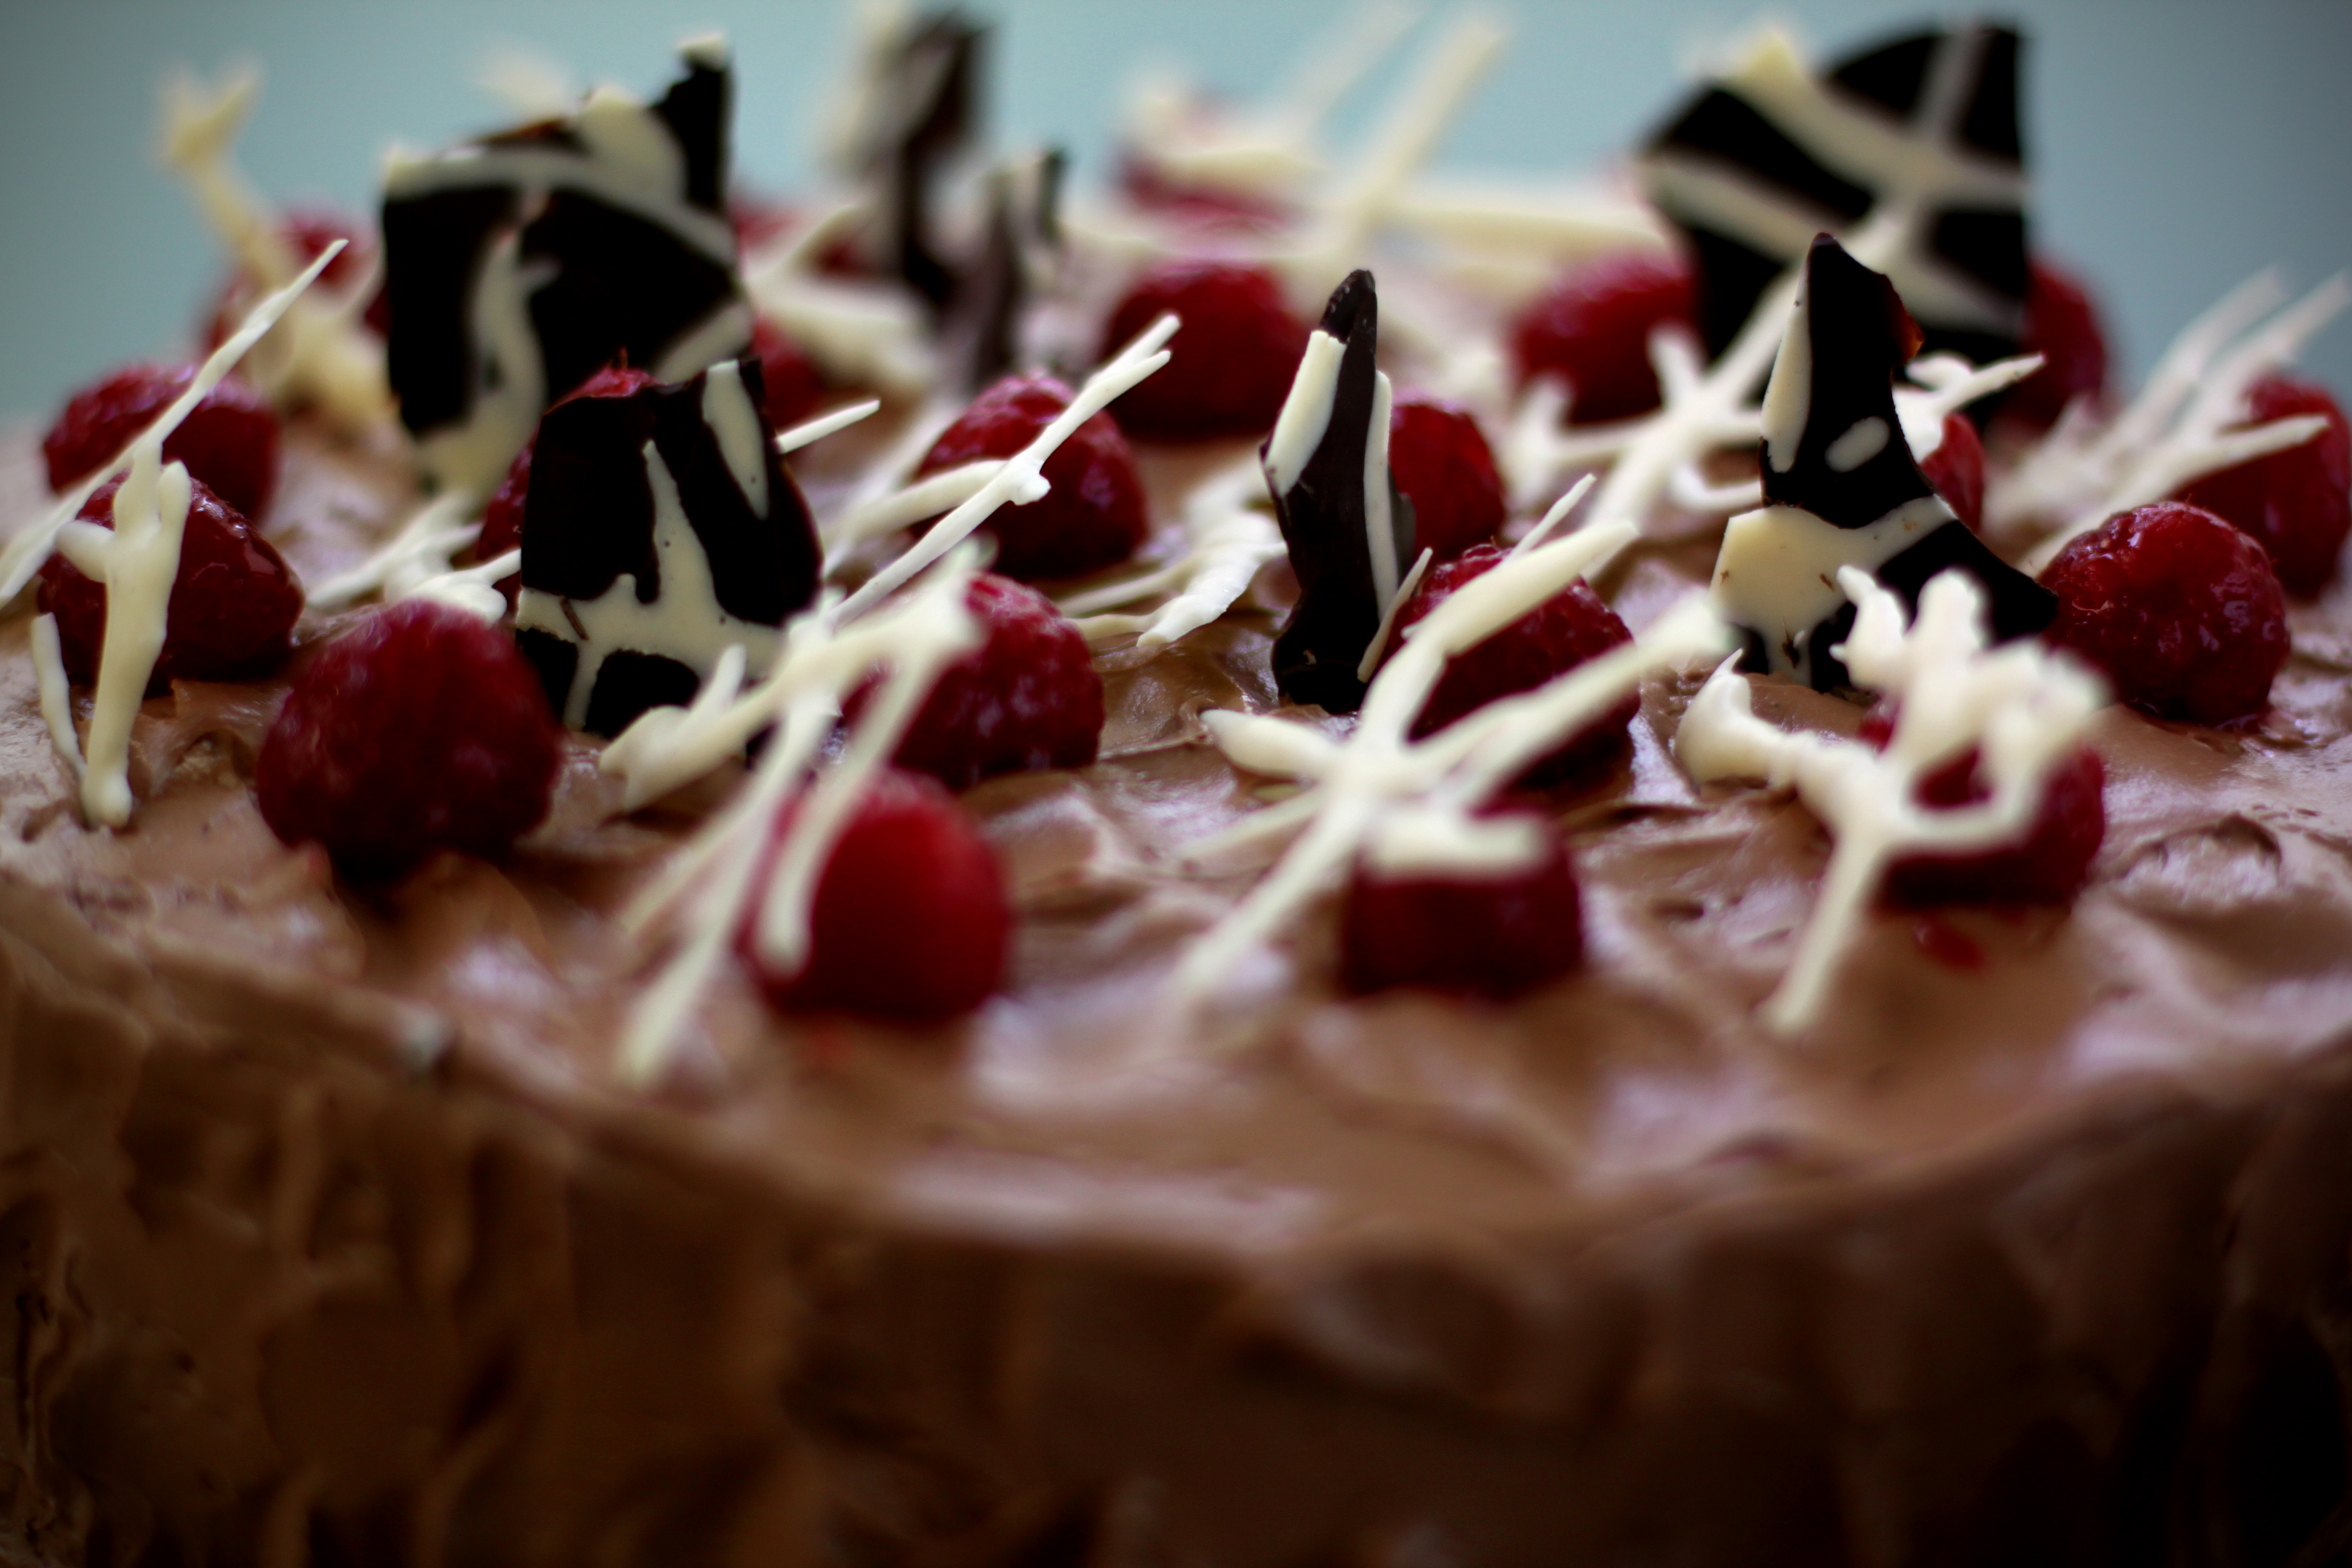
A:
{"x": 2178, "y": 146}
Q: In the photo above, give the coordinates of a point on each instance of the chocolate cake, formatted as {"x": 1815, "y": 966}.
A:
{"x": 1467, "y": 1074}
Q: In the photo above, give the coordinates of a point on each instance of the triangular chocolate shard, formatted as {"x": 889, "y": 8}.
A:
{"x": 518, "y": 266}
{"x": 1768, "y": 153}
{"x": 659, "y": 528}
{"x": 1832, "y": 443}
{"x": 1350, "y": 532}
{"x": 1842, "y": 488}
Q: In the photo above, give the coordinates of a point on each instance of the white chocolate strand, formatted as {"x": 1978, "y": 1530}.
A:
{"x": 2022, "y": 706}
{"x": 1228, "y": 538}
{"x": 319, "y": 357}
{"x": 1020, "y": 480}
{"x": 2179, "y": 427}
{"x": 138, "y": 562}
{"x": 57, "y": 695}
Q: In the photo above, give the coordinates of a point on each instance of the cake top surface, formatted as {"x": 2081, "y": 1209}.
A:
{"x": 1169, "y": 1059}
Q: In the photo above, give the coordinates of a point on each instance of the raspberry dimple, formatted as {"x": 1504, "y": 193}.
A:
{"x": 2047, "y": 866}
{"x": 1558, "y": 635}
{"x": 1957, "y": 468}
{"x": 2298, "y": 503}
{"x": 420, "y": 729}
{"x": 1093, "y": 517}
{"x": 795, "y": 388}
{"x": 1498, "y": 937}
{"x": 2062, "y": 325}
{"x": 1592, "y": 328}
{"x": 229, "y": 440}
{"x": 2181, "y": 611}
{"x": 1441, "y": 463}
{"x": 231, "y": 614}
{"x": 910, "y": 923}
{"x": 1229, "y": 363}
{"x": 1028, "y": 696}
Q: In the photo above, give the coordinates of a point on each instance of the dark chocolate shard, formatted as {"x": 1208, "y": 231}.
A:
{"x": 1833, "y": 445}
{"x": 678, "y": 489}
{"x": 1348, "y": 543}
{"x": 1842, "y": 488}
{"x": 1742, "y": 183}
{"x": 921, "y": 115}
{"x": 1018, "y": 253}
{"x": 517, "y": 266}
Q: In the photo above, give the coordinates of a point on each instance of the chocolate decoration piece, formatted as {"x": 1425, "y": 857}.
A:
{"x": 1347, "y": 543}
{"x": 919, "y": 117}
{"x": 1768, "y": 153}
{"x": 1842, "y": 488}
{"x": 1023, "y": 237}
{"x": 518, "y": 266}
{"x": 679, "y": 489}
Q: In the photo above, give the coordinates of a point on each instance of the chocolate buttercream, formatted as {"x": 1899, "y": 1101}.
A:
{"x": 335, "y": 1239}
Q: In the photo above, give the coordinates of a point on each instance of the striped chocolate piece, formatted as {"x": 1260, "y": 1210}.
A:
{"x": 1348, "y": 531}
{"x": 660, "y": 526}
{"x": 917, "y": 117}
{"x": 1842, "y": 488}
{"x": 518, "y": 266}
{"x": 1768, "y": 154}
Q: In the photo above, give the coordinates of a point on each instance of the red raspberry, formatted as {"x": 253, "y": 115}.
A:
{"x": 1092, "y": 517}
{"x": 420, "y": 729}
{"x": 1231, "y": 363}
{"x": 1957, "y": 470}
{"x": 1556, "y": 635}
{"x": 2062, "y": 324}
{"x": 2048, "y": 865}
{"x": 233, "y": 607}
{"x": 1592, "y": 327}
{"x": 229, "y": 440}
{"x": 1493, "y": 936}
{"x": 1443, "y": 464}
{"x": 2181, "y": 610}
{"x": 1026, "y": 698}
{"x": 795, "y": 389}
{"x": 910, "y": 921}
{"x": 308, "y": 233}
{"x": 2297, "y": 502}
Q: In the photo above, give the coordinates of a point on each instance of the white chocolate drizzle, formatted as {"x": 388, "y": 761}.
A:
{"x": 319, "y": 357}
{"x": 1228, "y": 537}
{"x": 56, "y": 694}
{"x": 2180, "y": 427}
{"x": 1416, "y": 803}
{"x": 2024, "y": 706}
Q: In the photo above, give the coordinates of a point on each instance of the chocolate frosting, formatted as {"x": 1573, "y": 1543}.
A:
{"x": 333, "y": 1239}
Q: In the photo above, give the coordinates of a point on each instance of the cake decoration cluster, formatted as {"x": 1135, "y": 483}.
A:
{"x": 602, "y": 357}
{"x": 2020, "y": 708}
